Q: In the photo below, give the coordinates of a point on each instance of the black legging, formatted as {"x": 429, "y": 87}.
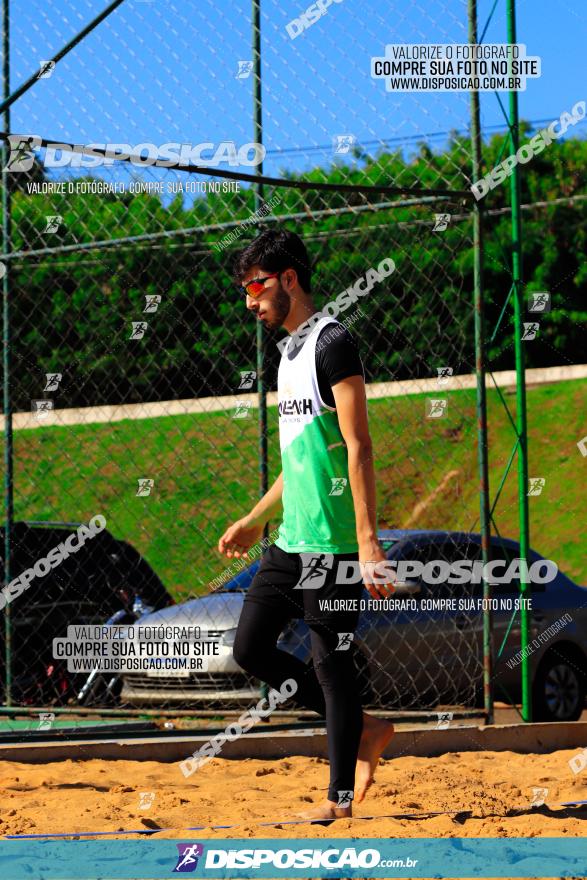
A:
{"x": 329, "y": 687}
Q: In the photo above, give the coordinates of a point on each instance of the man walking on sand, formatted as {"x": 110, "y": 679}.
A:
{"x": 327, "y": 489}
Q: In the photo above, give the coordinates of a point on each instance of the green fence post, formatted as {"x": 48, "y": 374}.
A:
{"x": 6, "y": 357}
{"x": 261, "y": 336}
{"x": 525, "y": 587}
{"x": 482, "y": 445}
{"x": 258, "y": 136}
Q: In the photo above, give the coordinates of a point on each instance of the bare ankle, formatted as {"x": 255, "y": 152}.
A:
{"x": 340, "y": 812}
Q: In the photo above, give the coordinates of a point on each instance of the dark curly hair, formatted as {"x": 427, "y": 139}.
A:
{"x": 274, "y": 251}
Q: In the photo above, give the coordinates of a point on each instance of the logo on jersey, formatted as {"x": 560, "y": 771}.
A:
{"x": 295, "y": 407}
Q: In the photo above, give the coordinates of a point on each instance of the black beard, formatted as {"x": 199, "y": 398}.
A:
{"x": 281, "y": 305}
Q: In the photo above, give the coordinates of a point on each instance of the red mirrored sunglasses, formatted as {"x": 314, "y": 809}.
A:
{"x": 256, "y": 286}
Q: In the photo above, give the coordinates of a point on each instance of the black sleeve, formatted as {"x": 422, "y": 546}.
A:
{"x": 337, "y": 358}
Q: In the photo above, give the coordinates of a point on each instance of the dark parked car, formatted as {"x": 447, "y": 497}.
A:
{"x": 104, "y": 576}
{"x": 416, "y": 658}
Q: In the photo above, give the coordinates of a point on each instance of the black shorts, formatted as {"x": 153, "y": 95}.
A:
{"x": 304, "y": 585}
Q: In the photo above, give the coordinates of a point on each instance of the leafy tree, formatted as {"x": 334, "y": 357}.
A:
{"x": 72, "y": 311}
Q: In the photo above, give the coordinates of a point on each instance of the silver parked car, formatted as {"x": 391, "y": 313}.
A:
{"x": 417, "y": 657}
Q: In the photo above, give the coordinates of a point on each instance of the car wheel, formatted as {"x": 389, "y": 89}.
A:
{"x": 559, "y": 689}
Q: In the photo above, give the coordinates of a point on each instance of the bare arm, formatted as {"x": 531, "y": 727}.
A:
{"x": 269, "y": 505}
{"x": 241, "y": 535}
{"x": 351, "y": 407}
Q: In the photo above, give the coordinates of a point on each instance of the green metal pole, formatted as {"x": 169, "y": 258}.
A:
{"x": 258, "y": 136}
{"x": 6, "y": 356}
{"x": 482, "y": 444}
{"x": 261, "y": 335}
{"x": 525, "y": 588}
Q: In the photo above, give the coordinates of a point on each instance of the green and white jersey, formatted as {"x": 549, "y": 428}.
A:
{"x": 318, "y": 511}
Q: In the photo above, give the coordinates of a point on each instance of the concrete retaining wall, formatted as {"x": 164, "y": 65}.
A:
{"x": 422, "y": 742}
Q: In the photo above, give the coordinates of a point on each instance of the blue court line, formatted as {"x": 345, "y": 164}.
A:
{"x": 258, "y": 824}
{"x": 224, "y": 827}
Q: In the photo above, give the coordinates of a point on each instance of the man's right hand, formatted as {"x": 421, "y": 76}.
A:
{"x": 240, "y": 537}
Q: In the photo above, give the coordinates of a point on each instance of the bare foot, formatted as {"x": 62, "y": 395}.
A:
{"x": 376, "y": 735}
{"x": 327, "y": 811}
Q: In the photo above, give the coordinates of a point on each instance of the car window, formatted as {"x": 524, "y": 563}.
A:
{"x": 453, "y": 551}
{"x": 506, "y": 553}
{"x": 441, "y": 549}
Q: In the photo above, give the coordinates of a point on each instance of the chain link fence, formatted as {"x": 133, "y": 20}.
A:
{"x": 134, "y": 361}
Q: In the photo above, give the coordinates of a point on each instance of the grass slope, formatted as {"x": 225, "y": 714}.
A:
{"x": 206, "y": 474}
